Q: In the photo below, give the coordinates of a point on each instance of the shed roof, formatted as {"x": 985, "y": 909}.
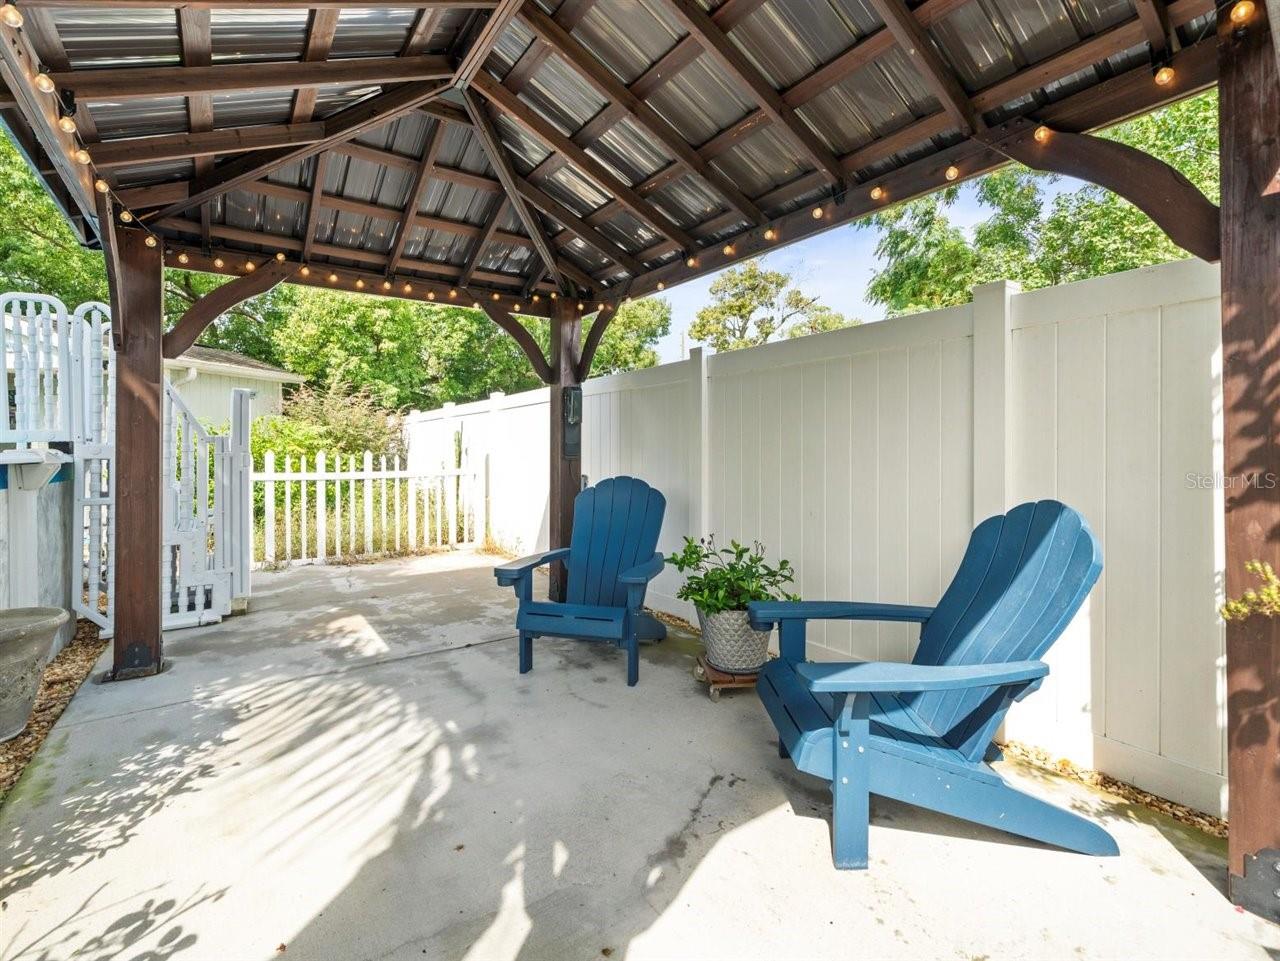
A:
{"x": 639, "y": 142}
{"x": 200, "y": 356}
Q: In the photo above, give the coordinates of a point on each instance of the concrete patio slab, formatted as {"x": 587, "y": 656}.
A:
{"x": 355, "y": 770}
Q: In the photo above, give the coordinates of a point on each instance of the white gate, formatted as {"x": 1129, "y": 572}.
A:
{"x": 57, "y": 371}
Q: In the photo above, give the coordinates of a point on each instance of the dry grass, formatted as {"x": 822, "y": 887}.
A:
{"x": 62, "y": 677}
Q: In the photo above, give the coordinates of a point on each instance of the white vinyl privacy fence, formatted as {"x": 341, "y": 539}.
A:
{"x": 866, "y": 456}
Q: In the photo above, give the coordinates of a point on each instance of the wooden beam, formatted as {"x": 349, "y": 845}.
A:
{"x": 482, "y": 242}
{"x": 135, "y": 151}
{"x": 221, "y": 299}
{"x": 1249, "y": 124}
{"x": 341, "y": 127}
{"x": 714, "y": 40}
{"x": 320, "y": 33}
{"x": 134, "y": 83}
{"x": 546, "y": 132}
{"x": 313, "y": 205}
{"x": 520, "y": 334}
{"x": 479, "y": 51}
{"x": 1155, "y": 23}
{"x": 594, "y": 335}
{"x": 566, "y": 466}
{"x": 1176, "y": 205}
{"x": 607, "y": 85}
{"x": 924, "y": 56}
{"x": 138, "y": 643}
{"x": 257, "y": 4}
{"x": 424, "y": 27}
{"x": 487, "y": 135}
{"x": 196, "y": 37}
{"x": 419, "y": 183}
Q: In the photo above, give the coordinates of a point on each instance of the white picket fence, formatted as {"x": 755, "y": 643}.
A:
{"x": 337, "y": 506}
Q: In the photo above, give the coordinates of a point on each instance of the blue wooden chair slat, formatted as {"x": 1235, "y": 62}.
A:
{"x": 611, "y": 558}
{"x": 920, "y": 732}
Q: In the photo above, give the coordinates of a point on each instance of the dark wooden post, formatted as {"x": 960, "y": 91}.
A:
{"x": 138, "y": 325}
{"x": 566, "y": 471}
{"x": 1250, "y": 152}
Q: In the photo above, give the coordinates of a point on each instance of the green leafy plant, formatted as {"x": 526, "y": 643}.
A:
{"x": 729, "y": 578}
{"x": 1265, "y": 600}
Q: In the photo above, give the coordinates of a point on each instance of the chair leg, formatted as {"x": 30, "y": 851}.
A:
{"x": 633, "y": 660}
{"x": 526, "y": 652}
{"x": 851, "y": 785}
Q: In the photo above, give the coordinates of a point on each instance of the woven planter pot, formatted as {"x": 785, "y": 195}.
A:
{"x": 26, "y": 634}
{"x": 731, "y": 643}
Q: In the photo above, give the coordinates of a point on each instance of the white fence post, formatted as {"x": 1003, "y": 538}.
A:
{"x": 368, "y": 502}
{"x": 699, "y": 444}
{"x": 992, "y": 392}
{"x": 322, "y": 509}
{"x": 269, "y": 510}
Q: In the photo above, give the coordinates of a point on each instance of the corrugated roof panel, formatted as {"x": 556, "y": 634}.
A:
{"x": 512, "y": 43}
{"x": 97, "y": 37}
{"x": 858, "y": 15}
{"x": 334, "y": 97}
{"x": 629, "y": 231}
{"x": 788, "y": 41}
{"x": 154, "y": 173}
{"x": 626, "y": 36}
{"x": 241, "y": 35}
{"x": 631, "y": 151}
{"x": 243, "y": 108}
{"x": 977, "y": 52}
{"x": 406, "y": 135}
{"x": 1032, "y": 29}
{"x": 700, "y": 101}
{"x": 1100, "y": 14}
{"x": 838, "y": 112}
{"x": 687, "y": 200}
{"x": 139, "y": 118}
{"x": 559, "y": 95}
{"x": 527, "y": 151}
{"x": 372, "y": 32}
{"x": 575, "y": 191}
{"x": 761, "y": 162}
{"x": 906, "y": 82}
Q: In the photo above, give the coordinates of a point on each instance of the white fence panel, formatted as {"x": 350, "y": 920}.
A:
{"x": 35, "y": 369}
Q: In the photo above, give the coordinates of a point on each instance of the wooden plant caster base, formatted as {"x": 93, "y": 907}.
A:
{"x": 718, "y": 680}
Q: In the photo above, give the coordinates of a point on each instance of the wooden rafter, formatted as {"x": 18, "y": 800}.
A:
{"x": 320, "y": 171}
{"x": 607, "y": 85}
{"x": 716, "y": 43}
{"x": 133, "y": 83}
{"x": 479, "y": 51}
{"x": 1155, "y": 22}
{"x": 919, "y": 49}
{"x": 203, "y": 144}
{"x": 487, "y": 134}
{"x": 420, "y": 35}
{"x": 486, "y": 235}
{"x": 195, "y": 34}
{"x": 320, "y": 33}
{"x": 414, "y": 196}
{"x": 221, "y": 299}
{"x": 547, "y": 133}
{"x": 257, "y": 4}
{"x": 342, "y": 126}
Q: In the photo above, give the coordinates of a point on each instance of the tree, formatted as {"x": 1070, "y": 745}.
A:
{"x": 750, "y": 305}
{"x": 1036, "y": 241}
{"x": 628, "y": 343}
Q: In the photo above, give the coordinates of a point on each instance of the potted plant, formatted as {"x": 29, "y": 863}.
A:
{"x": 721, "y": 582}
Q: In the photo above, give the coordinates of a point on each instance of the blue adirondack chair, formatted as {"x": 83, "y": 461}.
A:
{"x": 921, "y": 732}
{"x": 611, "y": 558}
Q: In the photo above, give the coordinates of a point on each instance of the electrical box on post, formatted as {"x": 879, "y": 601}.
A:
{"x": 571, "y": 403}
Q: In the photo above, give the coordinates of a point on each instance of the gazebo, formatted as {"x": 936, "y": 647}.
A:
{"x": 555, "y": 158}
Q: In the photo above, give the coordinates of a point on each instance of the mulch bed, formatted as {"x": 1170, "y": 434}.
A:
{"x": 62, "y": 677}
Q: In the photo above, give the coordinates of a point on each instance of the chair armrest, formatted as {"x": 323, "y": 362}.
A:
{"x": 894, "y": 678}
{"x": 643, "y": 573}
{"x": 508, "y": 574}
{"x": 764, "y": 614}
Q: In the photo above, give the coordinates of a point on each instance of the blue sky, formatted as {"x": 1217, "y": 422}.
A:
{"x": 836, "y": 266}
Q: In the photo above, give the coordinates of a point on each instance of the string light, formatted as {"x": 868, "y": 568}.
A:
{"x": 126, "y": 217}
{"x": 727, "y": 250}
{"x": 44, "y": 83}
{"x": 431, "y": 295}
{"x": 691, "y": 262}
{"x": 770, "y": 234}
{"x": 599, "y": 306}
{"x": 359, "y": 283}
{"x": 553, "y": 295}
{"x": 579, "y": 305}
{"x": 386, "y": 285}
{"x": 877, "y": 192}
{"x": 250, "y": 266}
{"x": 475, "y": 305}
{"x": 150, "y": 240}
{"x": 82, "y": 156}
{"x": 11, "y": 15}
{"x": 535, "y": 298}
{"x": 816, "y": 213}
{"x": 1164, "y": 76}
{"x": 495, "y": 295}
{"x": 183, "y": 258}
{"x": 333, "y": 278}
{"x": 101, "y": 186}
{"x": 1241, "y": 13}
{"x": 516, "y": 306}
{"x": 952, "y": 172}
{"x": 66, "y": 124}
{"x": 453, "y": 293}
{"x": 305, "y": 271}
{"x": 1042, "y": 134}
{"x": 280, "y": 255}
{"x": 219, "y": 262}
{"x": 661, "y": 285}
{"x": 407, "y": 288}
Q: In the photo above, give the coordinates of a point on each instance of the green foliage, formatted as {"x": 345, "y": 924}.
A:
{"x": 729, "y": 578}
{"x": 331, "y": 419}
{"x": 1265, "y": 600}
{"x": 1035, "y": 240}
{"x": 750, "y": 305}
{"x": 628, "y": 343}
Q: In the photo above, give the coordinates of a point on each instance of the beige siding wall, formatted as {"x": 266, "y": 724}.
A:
{"x": 209, "y": 395}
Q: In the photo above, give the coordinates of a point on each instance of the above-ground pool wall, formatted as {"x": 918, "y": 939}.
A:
{"x": 52, "y": 556}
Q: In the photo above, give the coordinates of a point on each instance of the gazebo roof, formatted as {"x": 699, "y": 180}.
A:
{"x": 458, "y": 146}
